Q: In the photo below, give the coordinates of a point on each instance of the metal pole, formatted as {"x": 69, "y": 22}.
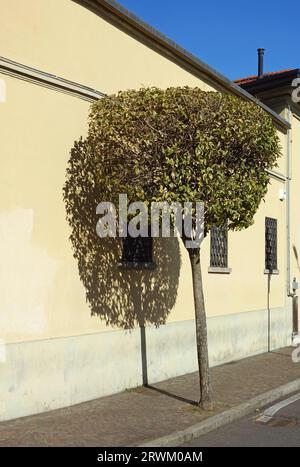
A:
{"x": 295, "y": 315}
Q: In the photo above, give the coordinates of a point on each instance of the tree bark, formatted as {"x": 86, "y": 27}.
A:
{"x": 201, "y": 331}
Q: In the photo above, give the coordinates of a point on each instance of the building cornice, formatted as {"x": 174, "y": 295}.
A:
{"x": 48, "y": 80}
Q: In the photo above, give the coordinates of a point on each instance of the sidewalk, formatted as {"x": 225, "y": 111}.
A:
{"x": 138, "y": 416}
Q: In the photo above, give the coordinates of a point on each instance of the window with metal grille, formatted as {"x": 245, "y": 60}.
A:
{"x": 137, "y": 252}
{"x": 219, "y": 247}
{"x": 270, "y": 244}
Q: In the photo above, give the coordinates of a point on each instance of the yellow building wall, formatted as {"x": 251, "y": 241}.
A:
{"x": 245, "y": 288}
{"x": 53, "y": 353}
{"x": 295, "y": 197}
{"x": 66, "y": 39}
{"x": 282, "y": 161}
{"x": 41, "y": 293}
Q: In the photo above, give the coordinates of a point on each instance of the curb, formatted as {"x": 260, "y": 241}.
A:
{"x": 184, "y": 436}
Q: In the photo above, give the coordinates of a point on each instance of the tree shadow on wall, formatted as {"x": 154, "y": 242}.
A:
{"x": 126, "y": 298}
{"x": 123, "y": 298}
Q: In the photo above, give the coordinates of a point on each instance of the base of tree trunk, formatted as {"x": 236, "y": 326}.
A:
{"x": 205, "y": 405}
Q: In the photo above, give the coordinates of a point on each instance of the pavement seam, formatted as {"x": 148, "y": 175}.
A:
{"x": 212, "y": 423}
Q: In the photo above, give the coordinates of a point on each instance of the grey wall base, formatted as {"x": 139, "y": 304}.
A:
{"x": 43, "y": 375}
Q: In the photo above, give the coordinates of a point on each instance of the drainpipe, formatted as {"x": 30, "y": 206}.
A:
{"x": 290, "y": 293}
{"x": 291, "y": 287}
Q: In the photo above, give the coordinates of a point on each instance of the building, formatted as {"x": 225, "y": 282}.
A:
{"x": 58, "y": 57}
{"x": 279, "y": 90}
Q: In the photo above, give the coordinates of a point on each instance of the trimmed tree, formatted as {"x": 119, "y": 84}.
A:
{"x": 177, "y": 145}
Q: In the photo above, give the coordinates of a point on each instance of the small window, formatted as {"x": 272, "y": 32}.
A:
{"x": 137, "y": 252}
{"x": 219, "y": 247}
{"x": 270, "y": 244}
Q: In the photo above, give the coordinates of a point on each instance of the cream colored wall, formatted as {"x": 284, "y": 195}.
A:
{"x": 281, "y": 162}
{"x": 41, "y": 295}
{"x": 40, "y": 291}
{"x": 295, "y": 197}
{"x": 245, "y": 288}
{"x": 64, "y": 38}
{"x": 39, "y": 285}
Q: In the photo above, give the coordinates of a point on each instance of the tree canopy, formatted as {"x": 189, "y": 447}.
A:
{"x": 178, "y": 144}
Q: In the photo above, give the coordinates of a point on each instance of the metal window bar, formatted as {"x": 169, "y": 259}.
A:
{"x": 137, "y": 250}
{"x": 270, "y": 244}
{"x": 219, "y": 247}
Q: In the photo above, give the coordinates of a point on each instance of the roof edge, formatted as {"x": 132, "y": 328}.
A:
{"x": 124, "y": 17}
{"x": 272, "y": 76}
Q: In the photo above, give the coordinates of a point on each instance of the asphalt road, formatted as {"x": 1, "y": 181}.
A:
{"x": 280, "y": 430}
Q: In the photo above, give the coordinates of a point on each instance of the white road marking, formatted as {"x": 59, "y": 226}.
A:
{"x": 270, "y": 412}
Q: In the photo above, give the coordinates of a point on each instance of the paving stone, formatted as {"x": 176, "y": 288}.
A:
{"x": 139, "y": 415}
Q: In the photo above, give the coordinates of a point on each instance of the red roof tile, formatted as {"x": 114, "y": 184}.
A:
{"x": 249, "y": 79}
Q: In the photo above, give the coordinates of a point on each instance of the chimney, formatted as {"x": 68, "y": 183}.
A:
{"x": 260, "y": 63}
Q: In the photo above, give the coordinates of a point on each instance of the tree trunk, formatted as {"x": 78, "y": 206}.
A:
{"x": 201, "y": 331}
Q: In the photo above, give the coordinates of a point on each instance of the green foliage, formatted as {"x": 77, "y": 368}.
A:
{"x": 178, "y": 144}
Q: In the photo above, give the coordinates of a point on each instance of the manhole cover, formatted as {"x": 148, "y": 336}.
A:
{"x": 278, "y": 421}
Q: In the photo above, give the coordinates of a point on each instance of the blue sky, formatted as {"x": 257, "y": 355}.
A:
{"x": 226, "y": 34}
